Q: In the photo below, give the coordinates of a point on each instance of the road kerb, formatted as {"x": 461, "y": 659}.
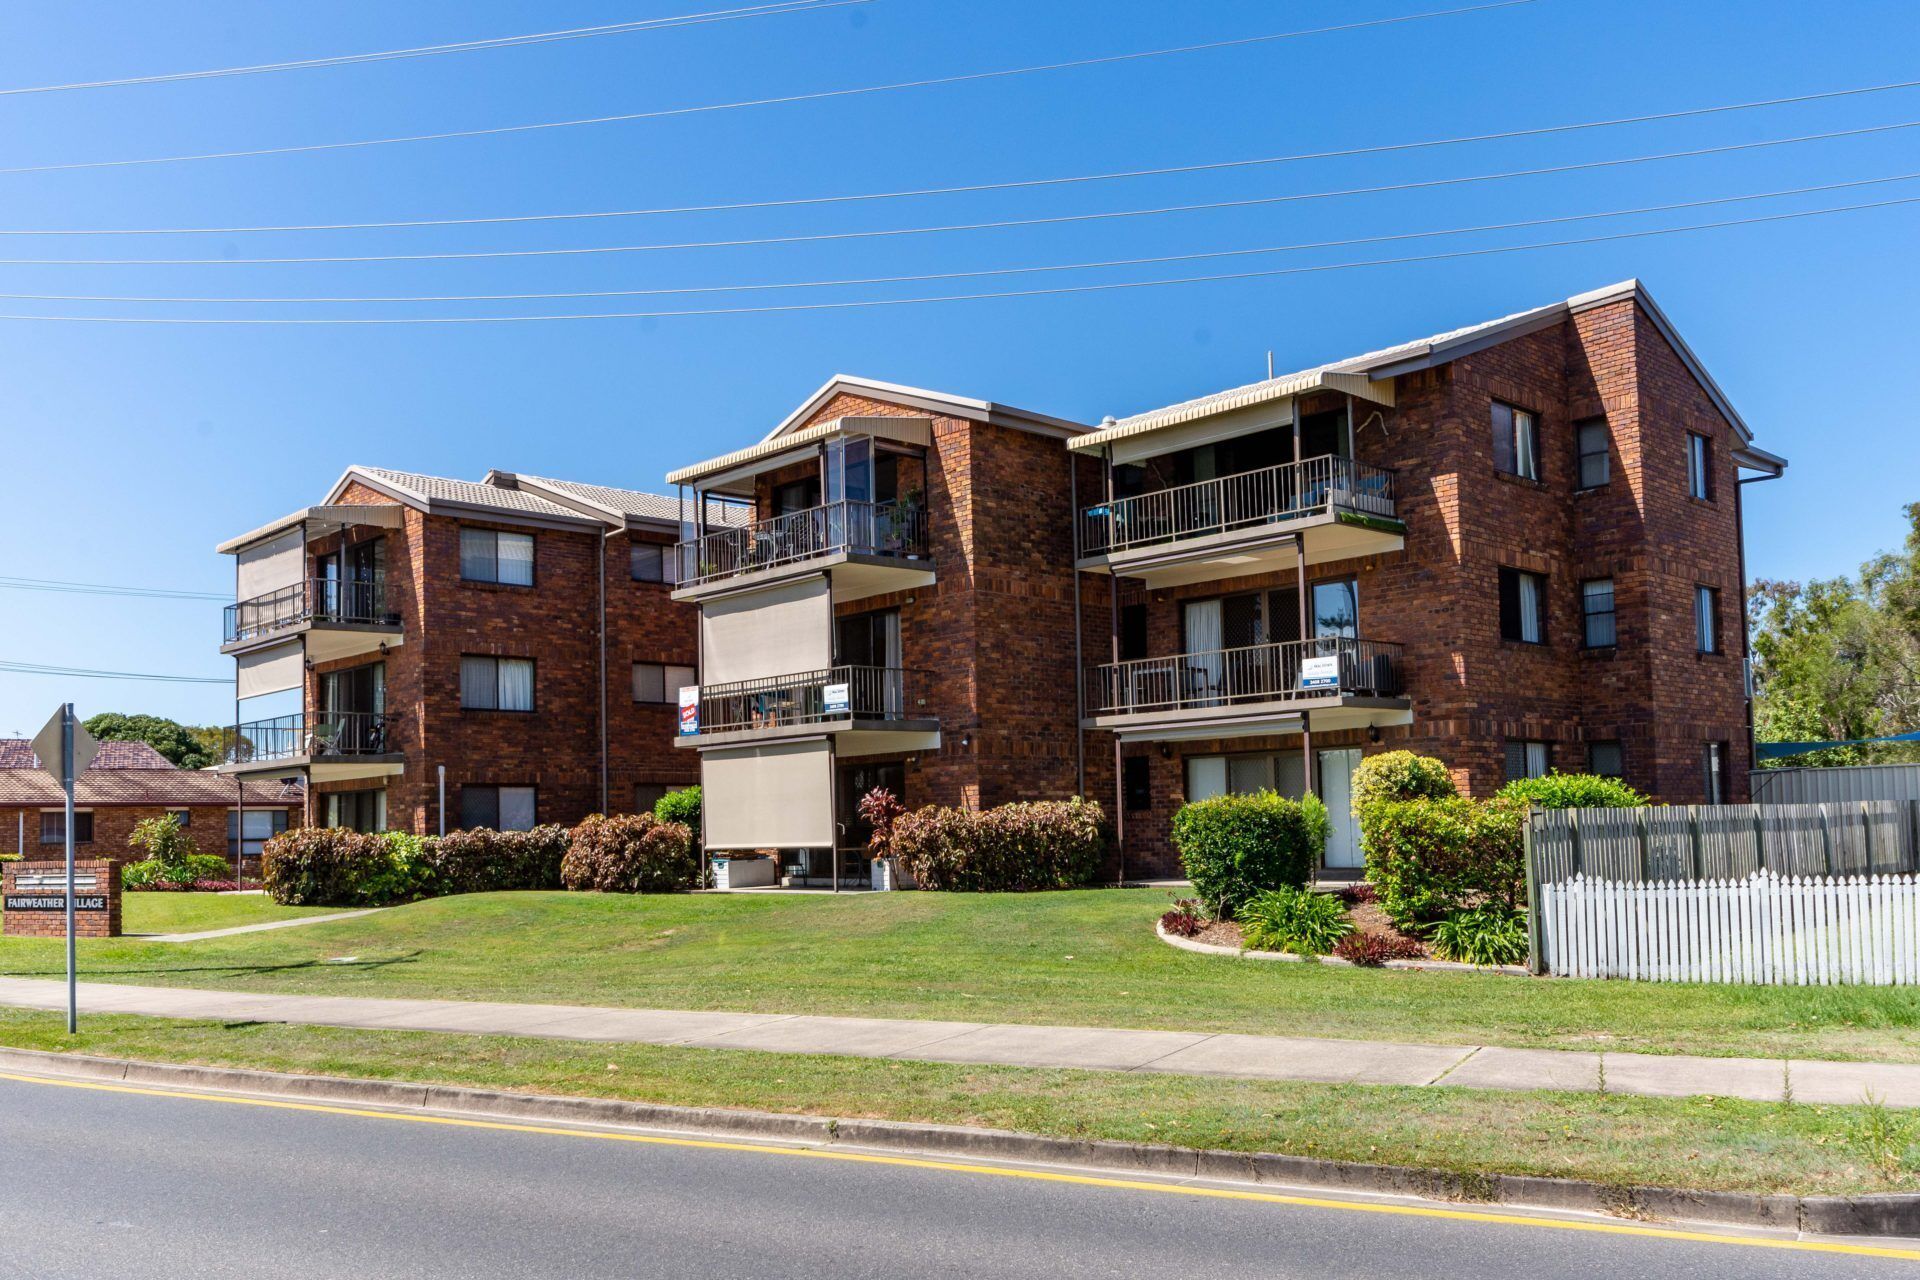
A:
{"x": 1888, "y": 1215}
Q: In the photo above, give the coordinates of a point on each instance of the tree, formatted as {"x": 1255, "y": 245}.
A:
{"x": 178, "y": 743}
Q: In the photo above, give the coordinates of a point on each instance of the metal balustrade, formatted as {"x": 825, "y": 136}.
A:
{"x": 772, "y": 702}
{"x": 1280, "y": 672}
{"x": 310, "y": 600}
{"x": 862, "y": 528}
{"x": 1290, "y": 491}
{"x": 340, "y": 734}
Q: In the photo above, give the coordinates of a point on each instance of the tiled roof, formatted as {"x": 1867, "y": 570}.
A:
{"x": 17, "y": 753}
{"x": 129, "y": 773}
{"x": 625, "y": 502}
{"x": 467, "y": 492}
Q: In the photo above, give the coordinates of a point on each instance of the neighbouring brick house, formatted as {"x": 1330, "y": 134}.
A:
{"x": 516, "y": 633}
{"x": 1514, "y": 546}
{"x": 128, "y": 783}
{"x": 885, "y": 587}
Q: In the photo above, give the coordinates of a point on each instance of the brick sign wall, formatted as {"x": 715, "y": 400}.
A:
{"x": 36, "y": 899}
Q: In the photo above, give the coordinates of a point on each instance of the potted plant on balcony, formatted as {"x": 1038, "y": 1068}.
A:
{"x": 879, "y": 809}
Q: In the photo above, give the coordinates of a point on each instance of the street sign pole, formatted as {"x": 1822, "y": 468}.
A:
{"x": 66, "y": 772}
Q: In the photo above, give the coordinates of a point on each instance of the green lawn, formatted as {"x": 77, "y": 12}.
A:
{"x": 1696, "y": 1143}
{"x": 1080, "y": 957}
{"x": 194, "y": 912}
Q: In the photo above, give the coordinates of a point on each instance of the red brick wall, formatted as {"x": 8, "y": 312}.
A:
{"x": 53, "y": 924}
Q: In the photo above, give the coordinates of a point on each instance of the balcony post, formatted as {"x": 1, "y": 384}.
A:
{"x": 1079, "y": 656}
{"x": 1300, "y": 591}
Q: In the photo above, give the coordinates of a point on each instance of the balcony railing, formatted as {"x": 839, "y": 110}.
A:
{"x": 1289, "y": 671}
{"x": 311, "y": 600}
{"x": 1290, "y": 491}
{"x": 863, "y": 528}
{"x": 337, "y": 735}
{"x": 809, "y": 697}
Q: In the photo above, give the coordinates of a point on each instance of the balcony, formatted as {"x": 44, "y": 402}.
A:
{"x": 338, "y": 746}
{"x": 1262, "y": 688}
{"x": 341, "y": 619}
{"x": 869, "y": 548}
{"x": 1245, "y": 523}
{"x": 869, "y": 710}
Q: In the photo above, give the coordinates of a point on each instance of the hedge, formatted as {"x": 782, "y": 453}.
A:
{"x": 331, "y": 866}
{"x": 630, "y": 853}
{"x": 1236, "y": 847}
{"x": 1430, "y": 858}
{"x": 486, "y": 861}
{"x": 1400, "y": 775}
{"x": 325, "y": 867}
{"x": 1572, "y": 791}
{"x": 1046, "y": 844}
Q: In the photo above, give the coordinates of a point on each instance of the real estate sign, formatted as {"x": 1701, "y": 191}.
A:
{"x": 690, "y": 710}
{"x": 1320, "y": 673}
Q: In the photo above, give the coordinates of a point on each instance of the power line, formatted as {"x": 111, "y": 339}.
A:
{"x": 945, "y": 228}
{"x": 927, "y": 277}
{"x": 781, "y": 100}
{"x": 463, "y": 46}
{"x": 975, "y": 297}
{"x": 88, "y": 673}
{"x": 1013, "y": 185}
{"x": 103, "y": 589}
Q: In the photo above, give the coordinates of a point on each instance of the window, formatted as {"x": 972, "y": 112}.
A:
{"x": 1133, "y": 632}
{"x": 1336, "y": 609}
{"x": 496, "y": 684}
{"x": 648, "y": 794}
{"x": 184, "y": 817}
{"x": 1283, "y": 771}
{"x": 649, "y": 562}
{"x": 354, "y": 810}
{"x": 487, "y": 555}
{"x": 1527, "y": 760}
{"x": 1706, "y": 616}
{"x": 1596, "y": 613}
{"x": 1714, "y": 764}
{"x": 1596, "y": 463}
{"x": 661, "y": 681}
{"x": 1516, "y": 442}
{"x": 1604, "y": 759}
{"x": 53, "y": 827}
{"x": 1136, "y": 777}
{"x": 263, "y": 825}
{"x": 496, "y": 808}
{"x": 1522, "y": 608}
{"x": 1699, "y": 467}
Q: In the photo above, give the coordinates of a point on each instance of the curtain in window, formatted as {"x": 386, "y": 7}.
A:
{"x": 479, "y": 683}
{"x": 1703, "y": 618}
{"x": 1597, "y": 603}
{"x": 477, "y": 561}
{"x": 516, "y": 559}
{"x": 1525, "y": 464}
{"x": 516, "y": 808}
{"x": 1206, "y": 777}
{"x": 516, "y": 684}
{"x": 1530, "y": 608}
{"x": 1205, "y": 666}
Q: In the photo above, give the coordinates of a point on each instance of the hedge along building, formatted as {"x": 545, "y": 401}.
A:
{"x": 1514, "y": 546}
{"x": 516, "y": 632}
{"x": 128, "y": 783}
{"x": 885, "y": 584}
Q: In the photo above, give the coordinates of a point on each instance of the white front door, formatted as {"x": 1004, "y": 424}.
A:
{"x": 1336, "y": 790}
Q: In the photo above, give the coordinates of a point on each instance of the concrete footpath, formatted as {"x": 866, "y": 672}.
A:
{"x": 1093, "y": 1048}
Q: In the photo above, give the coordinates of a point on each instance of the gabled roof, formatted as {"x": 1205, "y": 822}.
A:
{"x": 17, "y": 753}
{"x": 1424, "y": 353}
{"x": 628, "y": 505}
{"x": 130, "y": 773}
{"x": 439, "y": 495}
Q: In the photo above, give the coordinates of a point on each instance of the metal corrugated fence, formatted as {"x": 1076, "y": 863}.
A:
{"x": 1806, "y": 785}
{"x": 1722, "y": 842}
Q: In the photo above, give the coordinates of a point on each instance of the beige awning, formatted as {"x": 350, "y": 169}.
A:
{"x": 317, "y": 522}
{"x": 272, "y": 670}
{"x": 268, "y": 566}
{"x": 760, "y": 457}
{"x": 775, "y": 796}
{"x": 773, "y": 631}
{"x": 1258, "y": 393}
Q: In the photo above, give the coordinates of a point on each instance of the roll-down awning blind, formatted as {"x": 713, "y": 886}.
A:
{"x": 272, "y": 670}
{"x": 776, "y": 631}
{"x": 776, "y": 796}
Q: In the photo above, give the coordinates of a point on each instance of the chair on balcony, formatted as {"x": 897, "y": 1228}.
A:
{"x": 324, "y": 738}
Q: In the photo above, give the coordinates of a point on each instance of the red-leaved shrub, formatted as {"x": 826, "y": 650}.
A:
{"x": 630, "y": 853}
{"x": 1046, "y": 844}
{"x": 1371, "y": 950}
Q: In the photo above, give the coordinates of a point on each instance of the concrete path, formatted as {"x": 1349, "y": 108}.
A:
{"x": 1094, "y": 1048}
{"x": 252, "y": 928}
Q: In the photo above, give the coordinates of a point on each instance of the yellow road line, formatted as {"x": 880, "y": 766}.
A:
{"x": 996, "y": 1171}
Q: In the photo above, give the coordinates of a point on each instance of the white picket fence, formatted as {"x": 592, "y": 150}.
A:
{"x": 1768, "y": 929}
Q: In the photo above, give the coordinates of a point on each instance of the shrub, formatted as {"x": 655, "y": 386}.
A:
{"x": 683, "y": 807}
{"x": 482, "y": 860}
{"x": 1233, "y": 847}
{"x": 193, "y": 871}
{"x": 1488, "y": 934}
{"x": 1047, "y": 844}
{"x": 1297, "y": 920}
{"x": 322, "y": 866}
{"x": 880, "y": 809}
{"x": 172, "y": 851}
{"x": 1183, "y": 921}
{"x": 1571, "y": 791}
{"x": 1430, "y": 858}
{"x": 1400, "y": 775}
{"x": 1371, "y": 950}
{"x": 630, "y": 853}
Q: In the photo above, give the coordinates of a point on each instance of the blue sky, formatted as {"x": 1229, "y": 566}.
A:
{"x": 131, "y": 450}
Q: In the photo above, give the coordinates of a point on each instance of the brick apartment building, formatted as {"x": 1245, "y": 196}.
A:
{"x": 128, "y": 783}
{"x": 1515, "y": 546}
{"x": 436, "y": 654}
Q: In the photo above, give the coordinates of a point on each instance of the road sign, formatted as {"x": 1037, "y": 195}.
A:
{"x": 46, "y": 745}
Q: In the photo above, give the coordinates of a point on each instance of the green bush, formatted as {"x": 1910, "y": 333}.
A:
{"x": 1297, "y": 920}
{"x": 1047, "y": 844}
{"x": 182, "y": 873}
{"x": 1400, "y": 775}
{"x": 1430, "y": 858}
{"x": 1487, "y": 934}
{"x": 176, "y": 859}
{"x": 630, "y": 853}
{"x": 1572, "y": 791}
{"x": 324, "y": 867}
{"x": 482, "y": 860}
{"x": 1234, "y": 847}
{"x": 683, "y": 807}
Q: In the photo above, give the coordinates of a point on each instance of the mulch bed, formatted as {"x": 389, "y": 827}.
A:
{"x": 1365, "y": 913}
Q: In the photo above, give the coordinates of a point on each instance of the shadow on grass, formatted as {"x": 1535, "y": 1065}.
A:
{"x": 94, "y": 973}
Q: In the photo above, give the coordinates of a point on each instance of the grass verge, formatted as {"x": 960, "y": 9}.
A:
{"x": 1704, "y": 1143}
{"x": 146, "y": 912}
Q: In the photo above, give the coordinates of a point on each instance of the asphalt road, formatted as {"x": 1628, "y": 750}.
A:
{"x": 105, "y": 1184}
